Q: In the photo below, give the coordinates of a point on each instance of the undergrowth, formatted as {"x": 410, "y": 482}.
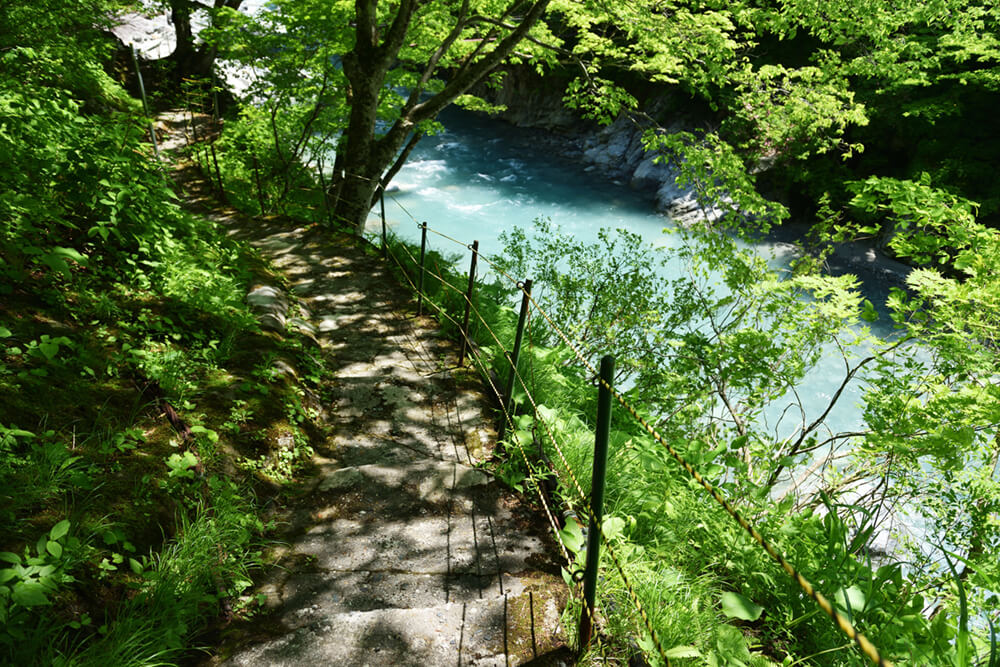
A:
{"x": 142, "y": 423}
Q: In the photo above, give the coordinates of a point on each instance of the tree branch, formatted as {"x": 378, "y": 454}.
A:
{"x": 476, "y": 71}
{"x": 401, "y": 159}
{"x": 435, "y": 58}
{"x": 394, "y": 39}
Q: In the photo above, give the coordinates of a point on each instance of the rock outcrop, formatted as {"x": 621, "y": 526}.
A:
{"x": 616, "y": 151}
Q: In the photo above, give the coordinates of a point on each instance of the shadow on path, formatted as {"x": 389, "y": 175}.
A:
{"x": 405, "y": 553}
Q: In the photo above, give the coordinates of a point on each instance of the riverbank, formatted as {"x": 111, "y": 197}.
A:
{"x": 616, "y": 153}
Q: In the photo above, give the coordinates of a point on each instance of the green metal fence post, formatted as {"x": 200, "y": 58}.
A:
{"x": 260, "y": 190}
{"x": 420, "y": 280}
{"x": 507, "y": 398}
{"x": 468, "y": 303}
{"x": 381, "y": 201}
{"x": 596, "y": 500}
{"x": 145, "y": 102}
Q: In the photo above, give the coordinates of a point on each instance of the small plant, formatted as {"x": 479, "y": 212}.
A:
{"x": 32, "y": 579}
{"x": 182, "y": 466}
{"x": 239, "y": 415}
{"x": 266, "y": 371}
{"x": 121, "y": 441}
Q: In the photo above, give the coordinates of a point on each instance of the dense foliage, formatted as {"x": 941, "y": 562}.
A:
{"x": 866, "y": 119}
{"x": 120, "y": 537}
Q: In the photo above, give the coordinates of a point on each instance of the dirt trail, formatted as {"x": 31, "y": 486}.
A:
{"x": 407, "y": 553}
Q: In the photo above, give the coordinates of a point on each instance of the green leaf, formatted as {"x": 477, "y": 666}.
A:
{"x": 9, "y": 557}
{"x": 54, "y": 548}
{"x": 212, "y": 436}
{"x": 5, "y": 332}
{"x": 49, "y": 349}
{"x": 59, "y": 530}
{"x": 852, "y": 599}
{"x": 735, "y": 605}
{"x": 56, "y": 263}
{"x": 868, "y": 312}
{"x": 572, "y": 536}
{"x": 683, "y": 652}
{"x": 181, "y": 465}
{"x": 70, "y": 253}
{"x": 613, "y": 526}
{"x": 29, "y": 594}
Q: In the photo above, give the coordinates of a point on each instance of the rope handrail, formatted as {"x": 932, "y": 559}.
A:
{"x": 507, "y": 415}
{"x": 589, "y": 509}
{"x": 839, "y": 620}
{"x": 533, "y": 475}
{"x": 482, "y": 256}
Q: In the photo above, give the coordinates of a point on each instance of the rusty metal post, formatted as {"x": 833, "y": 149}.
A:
{"x": 420, "y": 280}
{"x": 385, "y": 242}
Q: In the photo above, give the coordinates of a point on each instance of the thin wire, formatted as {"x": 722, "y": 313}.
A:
{"x": 482, "y": 256}
{"x": 839, "y": 620}
{"x": 403, "y": 208}
{"x": 559, "y": 450}
{"x": 449, "y": 238}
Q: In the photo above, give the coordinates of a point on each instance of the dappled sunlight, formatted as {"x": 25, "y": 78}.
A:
{"x": 404, "y": 552}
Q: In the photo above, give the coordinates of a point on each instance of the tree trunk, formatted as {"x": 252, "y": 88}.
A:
{"x": 367, "y": 157}
{"x": 180, "y": 16}
{"x": 191, "y": 61}
{"x": 356, "y": 195}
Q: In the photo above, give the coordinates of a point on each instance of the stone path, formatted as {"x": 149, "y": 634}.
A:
{"x": 409, "y": 554}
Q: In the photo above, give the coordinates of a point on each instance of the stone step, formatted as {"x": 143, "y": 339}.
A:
{"x": 299, "y": 597}
{"x": 425, "y": 479}
{"x": 422, "y": 516}
{"x": 504, "y": 631}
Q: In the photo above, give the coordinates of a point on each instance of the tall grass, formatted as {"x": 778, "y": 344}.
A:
{"x": 181, "y": 588}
